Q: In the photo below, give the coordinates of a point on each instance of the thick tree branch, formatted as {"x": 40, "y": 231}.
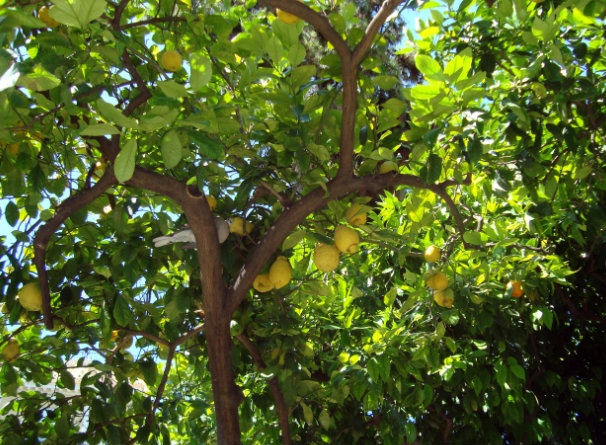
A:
{"x": 281, "y": 406}
{"x": 65, "y": 209}
{"x": 373, "y": 28}
{"x": 318, "y": 21}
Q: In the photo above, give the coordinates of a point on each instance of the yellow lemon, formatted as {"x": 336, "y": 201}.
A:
{"x": 46, "y": 18}
{"x": 516, "y": 288}
{"x": 388, "y": 166}
{"x": 444, "y": 298}
{"x": 286, "y": 17}
{"x": 171, "y": 60}
{"x": 346, "y": 239}
{"x": 280, "y": 272}
{"x": 326, "y": 257}
{"x": 238, "y": 226}
{"x": 30, "y": 297}
{"x": 262, "y": 283}
{"x": 356, "y": 215}
{"x": 438, "y": 281}
{"x": 432, "y": 254}
{"x": 212, "y": 202}
{"x": 11, "y": 351}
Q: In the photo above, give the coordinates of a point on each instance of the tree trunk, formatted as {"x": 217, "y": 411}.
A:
{"x": 227, "y": 395}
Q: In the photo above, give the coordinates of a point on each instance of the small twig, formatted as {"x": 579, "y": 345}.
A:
{"x": 152, "y": 21}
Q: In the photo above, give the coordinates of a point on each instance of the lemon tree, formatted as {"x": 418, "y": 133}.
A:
{"x": 340, "y": 140}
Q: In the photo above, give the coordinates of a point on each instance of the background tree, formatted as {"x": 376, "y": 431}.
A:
{"x": 120, "y": 122}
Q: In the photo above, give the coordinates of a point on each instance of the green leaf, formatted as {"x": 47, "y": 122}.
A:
{"x": 458, "y": 68}
{"x": 67, "y": 379}
{"x": 11, "y": 211}
{"x": 77, "y": 13}
{"x": 38, "y": 80}
{"x": 373, "y": 369}
{"x": 296, "y": 54}
{"x": 475, "y": 150}
{"x": 302, "y": 75}
{"x": 390, "y": 296}
{"x": 307, "y": 413}
{"x": 201, "y": 71}
{"x": 113, "y": 115}
{"x": 293, "y": 239}
{"x": 324, "y": 419}
{"x": 124, "y": 166}
{"x": 122, "y": 312}
{"x": 474, "y": 238}
{"x": 274, "y": 48}
{"x": 173, "y": 89}
{"x": 385, "y": 82}
{"x": 429, "y": 67}
{"x": 98, "y": 130}
{"x": 172, "y": 150}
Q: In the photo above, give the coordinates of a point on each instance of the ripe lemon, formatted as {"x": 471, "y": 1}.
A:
{"x": 432, "y": 254}
{"x": 171, "y": 60}
{"x": 262, "y": 283}
{"x": 388, "y": 166}
{"x": 286, "y": 17}
{"x": 212, "y": 202}
{"x": 46, "y": 18}
{"x": 346, "y": 239}
{"x": 280, "y": 272}
{"x": 326, "y": 257}
{"x": 356, "y": 215}
{"x": 444, "y": 298}
{"x": 238, "y": 225}
{"x": 438, "y": 281}
{"x": 516, "y": 289}
{"x": 30, "y": 297}
{"x": 11, "y": 351}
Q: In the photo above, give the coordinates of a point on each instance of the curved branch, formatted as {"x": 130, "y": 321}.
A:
{"x": 64, "y": 211}
{"x": 373, "y": 27}
{"x": 318, "y": 21}
{"x": 281, "y": 406}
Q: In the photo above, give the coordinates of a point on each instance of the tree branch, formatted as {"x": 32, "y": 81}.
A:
{"x": 373, "y": 28}
{"x": 152, "y": 21}
{"x": 281, "y": 406}
{"x": 295, "y": 214}
{"x": 144, "y": 95}
{"x": 65, "y": 209}
{"x": 318, "y": 21}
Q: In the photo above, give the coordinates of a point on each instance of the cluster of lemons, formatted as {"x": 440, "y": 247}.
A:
{"x": 30, "y": 298}
{"x": 326, "y": 256}
{"x": 437, "y": 280}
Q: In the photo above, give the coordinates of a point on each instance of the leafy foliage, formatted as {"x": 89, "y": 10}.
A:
{"x": 500, "y": 156}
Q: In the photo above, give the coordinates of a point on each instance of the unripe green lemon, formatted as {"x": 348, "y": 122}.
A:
{"x": 438, "y": 281}
{"x": 432, "y": 254}
{"x": 171, "y": 60}
{"x": 346, "y": 239}
{"x": 30, "y": 297}
{"x": 326, "y": 257}
{"x": 280, "y": 272}
{"x": 356, "y": 215}
{"x": 262, "y": 283}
